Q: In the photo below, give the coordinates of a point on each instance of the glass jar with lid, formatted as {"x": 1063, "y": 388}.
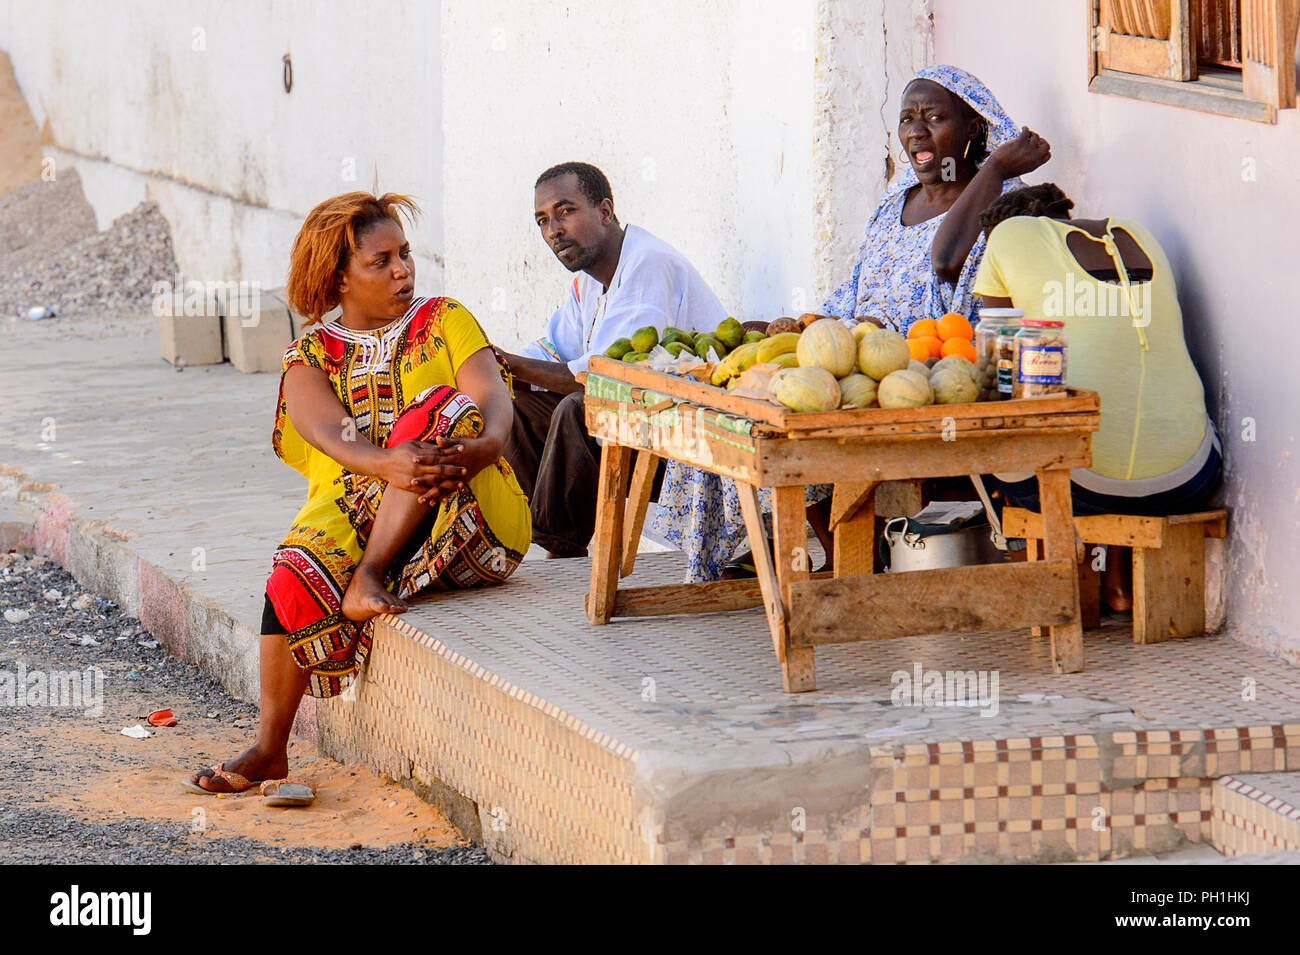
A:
{"x": 1041, "y": 359}
{"x": 992, "y": 321}
{"x": 1006, "y": 350}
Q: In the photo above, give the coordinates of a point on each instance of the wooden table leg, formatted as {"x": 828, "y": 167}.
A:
{"x": 1034, "y": 551}
{"x": 855, "y": 535}
{"x": 638, "y": 500}
{"x": 1089, "y": 593}
{"x": 611, "y": 491}
{"x": 1059, "y": 544}
{"x": 773, "y": 605}
{"x": 792, "y": 563}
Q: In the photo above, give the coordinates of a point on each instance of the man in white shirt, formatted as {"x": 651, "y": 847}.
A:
{"x": 626, "y": 279}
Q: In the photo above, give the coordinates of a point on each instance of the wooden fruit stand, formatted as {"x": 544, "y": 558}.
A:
{"x": 631, "y": 408}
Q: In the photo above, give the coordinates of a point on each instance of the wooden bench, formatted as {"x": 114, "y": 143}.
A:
{"x": 1168, "y": 563}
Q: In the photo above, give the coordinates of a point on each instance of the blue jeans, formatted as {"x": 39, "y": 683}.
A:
{"x": 1193, "y": 495}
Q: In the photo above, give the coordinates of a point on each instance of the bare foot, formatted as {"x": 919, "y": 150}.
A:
{"x": 1116, "y": 586}
{"x": 367, "y": 597}
{"x": 1118, "y": 600}
{"x": 251, "y": 764}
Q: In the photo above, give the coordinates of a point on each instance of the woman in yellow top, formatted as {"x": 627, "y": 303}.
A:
{"x": 396, "y": 415}
{"x": 1109, "y": 281}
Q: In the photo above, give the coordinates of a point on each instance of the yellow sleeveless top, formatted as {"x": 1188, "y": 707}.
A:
{"x": 1125, "y": 341}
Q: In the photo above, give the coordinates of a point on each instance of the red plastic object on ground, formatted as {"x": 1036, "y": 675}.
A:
{"x": 162, "y": 718}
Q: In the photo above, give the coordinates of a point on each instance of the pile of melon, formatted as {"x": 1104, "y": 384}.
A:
{"x": 875, "y": 367}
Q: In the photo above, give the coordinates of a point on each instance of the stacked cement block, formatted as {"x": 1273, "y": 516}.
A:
{"x": 191, "y": 339}
{"x": 257, "y": 342}
{"x": 253, "y": 336}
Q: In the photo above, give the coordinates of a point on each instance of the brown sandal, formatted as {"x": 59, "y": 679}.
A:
{"x": 236, "y": 782}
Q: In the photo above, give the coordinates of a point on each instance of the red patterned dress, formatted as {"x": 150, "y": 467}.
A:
{"x": 397, "y": 384}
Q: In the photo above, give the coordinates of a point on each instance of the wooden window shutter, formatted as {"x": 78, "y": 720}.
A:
{"x": 1268, "y": 38}
{"x": 1147, "y": 37}
{"x": 1217, "y": 27}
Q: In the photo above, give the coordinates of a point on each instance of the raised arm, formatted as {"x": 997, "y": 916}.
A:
{"x": 323, "y": 423}
{"x": 960, "y": 229}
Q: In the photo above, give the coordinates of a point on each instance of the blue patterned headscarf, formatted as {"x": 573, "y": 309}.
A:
{"x": 892, "y": 278}
{"x": 1001, "y": 128}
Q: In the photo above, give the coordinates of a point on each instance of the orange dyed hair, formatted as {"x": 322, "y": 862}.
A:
{"x": 328, "y": 239}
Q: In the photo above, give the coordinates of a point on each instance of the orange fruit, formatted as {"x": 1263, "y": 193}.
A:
{"x": 920, "y": 350}
{"x": 932, "y": 344}
{"x": 925, "y": 328}
{"x": 953, "y": 325}
{"x": 958, "y": 346}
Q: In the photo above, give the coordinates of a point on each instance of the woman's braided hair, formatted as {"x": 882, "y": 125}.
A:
{"x": 1045, "y": 199}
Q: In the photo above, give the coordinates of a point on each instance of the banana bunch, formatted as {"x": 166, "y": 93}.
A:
{"x": 771, "y": 349}
{"x": 736, "y": 363}
{"x": 778, "y": 350}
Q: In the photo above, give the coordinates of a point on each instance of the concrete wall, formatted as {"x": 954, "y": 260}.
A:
{"x": 751, "y": 134}
{"x": 747, "y": 134}
{"x": 183, "y": 102}
{"x": 1188, "y": 176}
{"x": 700, "y": 117}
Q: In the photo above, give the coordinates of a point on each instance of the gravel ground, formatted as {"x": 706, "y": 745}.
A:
{"x": 45, "y": 837}
{"x": 41, "y": 218}
{"x": 54, "y": 256}
{"x": 49, "y": 623}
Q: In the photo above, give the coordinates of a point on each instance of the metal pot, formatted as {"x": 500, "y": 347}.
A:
{"x": 909, "y": 550}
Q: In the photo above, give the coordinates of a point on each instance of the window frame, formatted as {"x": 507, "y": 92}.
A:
{"x": 1212, "y": 90}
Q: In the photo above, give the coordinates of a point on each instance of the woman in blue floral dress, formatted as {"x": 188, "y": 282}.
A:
{"x": 922, "y": 250}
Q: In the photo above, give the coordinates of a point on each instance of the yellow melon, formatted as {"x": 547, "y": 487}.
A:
{"x": 904, "y": 389}
{"x": 806, "y": 389}
{"x": 960, "y": 363}
{"x": 882, "y": 351}
{"x": 952, "y": 386}
{"x": 827, "y": 343}
{"x": 857, "y": 391}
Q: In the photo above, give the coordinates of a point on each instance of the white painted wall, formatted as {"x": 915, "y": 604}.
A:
{"x": 747, "y": 133}
{"x": 1231, "y": 241}
{"x": 866, "y": 53}
{"x": 751, "y": 134}
{"x": 699, "y": 116}
{"x": 183, "y": 102}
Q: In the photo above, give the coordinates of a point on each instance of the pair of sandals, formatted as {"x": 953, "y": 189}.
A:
{"x": 275, "y": 792}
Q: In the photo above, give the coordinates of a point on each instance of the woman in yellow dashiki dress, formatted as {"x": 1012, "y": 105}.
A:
{"x": 387, "y": 416}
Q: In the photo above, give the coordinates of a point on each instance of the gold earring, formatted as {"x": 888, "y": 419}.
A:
{"x": 903, "y": 157}
{"x": 966, "y": 152}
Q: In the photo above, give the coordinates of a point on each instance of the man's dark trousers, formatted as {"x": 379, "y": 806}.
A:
{"x": 558, "y": 464}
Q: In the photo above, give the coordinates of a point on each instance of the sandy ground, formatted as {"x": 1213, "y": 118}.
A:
{"x": 139, "y": 778}
{"x": 73, "y": 788}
